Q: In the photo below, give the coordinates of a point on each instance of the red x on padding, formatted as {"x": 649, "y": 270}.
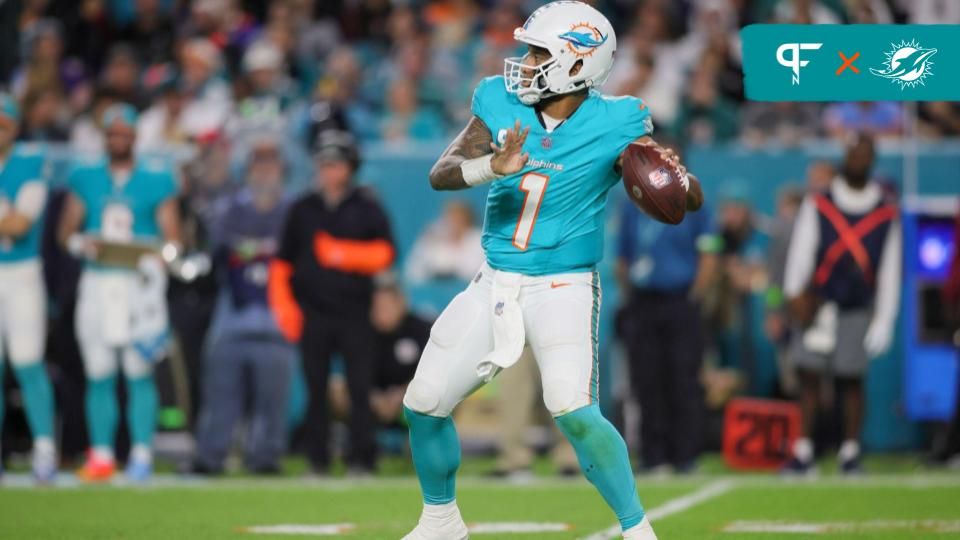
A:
{"x": 848, "y": 62}
{"x": 850, "y": 238}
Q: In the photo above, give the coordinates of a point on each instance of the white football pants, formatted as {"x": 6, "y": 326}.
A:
{"x": 23, "y": 318}
{"x": 108, "y": 303}
{"x": 486, "y": 327}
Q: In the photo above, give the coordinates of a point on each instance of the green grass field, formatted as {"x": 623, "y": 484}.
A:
{"x": 712, "y": 505}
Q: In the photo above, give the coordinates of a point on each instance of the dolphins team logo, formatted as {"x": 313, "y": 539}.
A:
{"x": 583, "y": 39}
{"x": 907, "y": 64}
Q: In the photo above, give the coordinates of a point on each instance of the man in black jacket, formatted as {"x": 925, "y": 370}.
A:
{"x": 335, "y": 239}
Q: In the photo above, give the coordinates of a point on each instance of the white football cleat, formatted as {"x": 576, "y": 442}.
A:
{"x": 440, "y": 522}
{"x": 641, "y": 531}
{"x": 44, "y": 462}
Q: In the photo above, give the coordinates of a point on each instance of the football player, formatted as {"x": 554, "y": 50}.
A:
{"x": 23, "y": 195}
{"x": 121, "y": 316}
{"x": 550, "y": 145}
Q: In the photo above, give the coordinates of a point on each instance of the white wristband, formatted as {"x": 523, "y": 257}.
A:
{"x": 478, "y": 171}
{"x": 76, "y": 245}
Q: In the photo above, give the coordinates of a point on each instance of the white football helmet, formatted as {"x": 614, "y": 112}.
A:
{"x": 571, "y": 31}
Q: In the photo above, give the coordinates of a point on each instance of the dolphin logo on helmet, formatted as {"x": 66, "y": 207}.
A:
{"x": 581, "y": 43}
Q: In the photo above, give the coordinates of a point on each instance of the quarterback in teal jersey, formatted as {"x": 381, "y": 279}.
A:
{"x": 121, "y": 318}
{"x": 550, "y": 145}
{"x": 23, "y": 318}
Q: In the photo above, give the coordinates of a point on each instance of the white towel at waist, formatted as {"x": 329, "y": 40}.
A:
{"x": 509, "y": 336}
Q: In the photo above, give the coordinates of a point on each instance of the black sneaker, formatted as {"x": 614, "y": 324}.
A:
{"x": 271, "y": 469}
{"x": 851, "y": 467}
{"x": 360, "y": 472}
{"x": 798, "y": 467}
{"x": 203, "y": 469}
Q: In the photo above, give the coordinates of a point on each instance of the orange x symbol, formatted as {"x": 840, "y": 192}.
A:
{"x": 848, "y": 62}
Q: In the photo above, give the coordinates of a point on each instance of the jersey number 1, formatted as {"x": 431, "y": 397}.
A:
{"x": 533, "y": 185}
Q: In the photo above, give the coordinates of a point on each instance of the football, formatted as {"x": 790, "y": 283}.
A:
{"x": 654, "y": 185}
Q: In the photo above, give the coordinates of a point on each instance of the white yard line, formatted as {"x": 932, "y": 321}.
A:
{"x": 673, "y": 506}
{"x": 517, "y": 527}
{"x": 803, "y": 527}
{"x": 332, "y": 529}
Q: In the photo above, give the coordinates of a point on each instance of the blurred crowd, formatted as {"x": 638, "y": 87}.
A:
{"x": 400, "y": 70}
{"x": 279, "y": 81}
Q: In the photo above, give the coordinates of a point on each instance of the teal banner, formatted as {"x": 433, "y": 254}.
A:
{"x": 861, "y": 62}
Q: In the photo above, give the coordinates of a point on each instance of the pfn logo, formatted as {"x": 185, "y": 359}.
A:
{"x": 794, "y": 62}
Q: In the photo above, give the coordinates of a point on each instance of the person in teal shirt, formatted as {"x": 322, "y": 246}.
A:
{"x": 118, "y": 200}
{"x": 23, "y": 195}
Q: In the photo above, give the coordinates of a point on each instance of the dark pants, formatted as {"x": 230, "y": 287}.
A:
{"x": 664, "y": 337}
{"x": 191, "y": 310}
{"x": 245, "y": 373}
{"x": 352, "y": 338}
{"x": 952, "y": 445}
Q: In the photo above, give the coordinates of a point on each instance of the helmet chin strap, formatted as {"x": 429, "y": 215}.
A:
{"x": 534, "y": 97}
{"x": 529, "y": 99}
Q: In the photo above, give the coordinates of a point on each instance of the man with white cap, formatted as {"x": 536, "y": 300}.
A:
{"x": 270, "y": 92}
{"x": 248, "y": 362}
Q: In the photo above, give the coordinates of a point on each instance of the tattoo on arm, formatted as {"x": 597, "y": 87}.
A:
{"x": 473, "y": 142}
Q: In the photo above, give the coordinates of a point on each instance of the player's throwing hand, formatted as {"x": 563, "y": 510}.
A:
{"x": 667, "y": 154}
{"x": 510, "y": 157}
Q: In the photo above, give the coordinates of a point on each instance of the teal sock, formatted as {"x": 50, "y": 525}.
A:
{"x": 604, "y": 460}
{"x": 37, "y": 398}
{"x": 436, "y": 455}
{"x": 102, "y": 411}
{"x": 142, "y": 409}
{"x": 297, "y": 397}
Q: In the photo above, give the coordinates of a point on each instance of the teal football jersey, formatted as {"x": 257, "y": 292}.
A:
{"x": 25, "y": 164}
{"x": 126, "y": 211}
{"x": 549, "y": 217}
